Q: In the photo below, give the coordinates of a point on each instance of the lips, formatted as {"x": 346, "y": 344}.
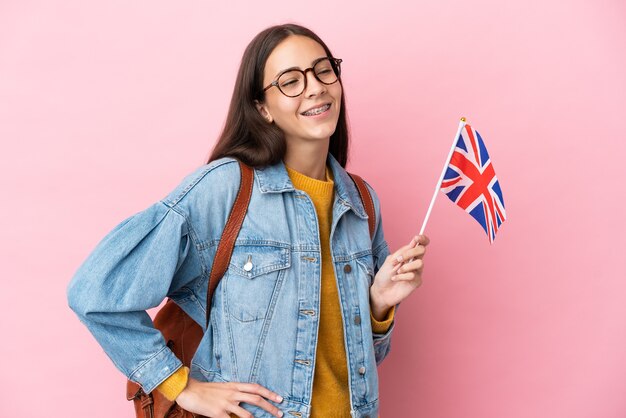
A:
{"x": 316, "y": 107}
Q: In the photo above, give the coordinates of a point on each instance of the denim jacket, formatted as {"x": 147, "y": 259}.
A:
{"x": 264, "y": 319}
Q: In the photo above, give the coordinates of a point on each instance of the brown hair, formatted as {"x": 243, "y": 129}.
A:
{"x": 246, "y": 135}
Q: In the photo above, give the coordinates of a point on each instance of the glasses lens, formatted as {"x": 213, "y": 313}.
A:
{"x": 326, "y": 71}
{"x": 291, "y": 83}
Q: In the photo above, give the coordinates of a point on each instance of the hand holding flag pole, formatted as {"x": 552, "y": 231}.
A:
{"x": 469, "y": 180}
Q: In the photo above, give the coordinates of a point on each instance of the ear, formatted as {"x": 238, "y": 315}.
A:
{"x": 263, "y": 111}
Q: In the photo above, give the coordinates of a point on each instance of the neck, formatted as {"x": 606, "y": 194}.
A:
{"x": 308, "y": 158}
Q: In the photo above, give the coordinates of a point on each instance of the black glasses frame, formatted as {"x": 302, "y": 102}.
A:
{"x": 334, "y": 62}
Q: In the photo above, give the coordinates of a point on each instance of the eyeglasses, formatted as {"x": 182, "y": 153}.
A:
{"x": 292, "y": 83}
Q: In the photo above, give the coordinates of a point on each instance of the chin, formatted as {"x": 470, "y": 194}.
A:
{"x": 322, "y": 133}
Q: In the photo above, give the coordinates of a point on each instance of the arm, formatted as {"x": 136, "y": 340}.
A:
{"x": 134, "y": 267}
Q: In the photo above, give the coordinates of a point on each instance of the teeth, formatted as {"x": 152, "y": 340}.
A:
{"x": 316, "y": 111}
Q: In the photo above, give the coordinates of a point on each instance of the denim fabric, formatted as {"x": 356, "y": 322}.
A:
{"x": 264, "y": 316}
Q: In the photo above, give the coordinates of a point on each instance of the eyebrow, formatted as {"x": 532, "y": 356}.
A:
{"x": 297, "y": 68}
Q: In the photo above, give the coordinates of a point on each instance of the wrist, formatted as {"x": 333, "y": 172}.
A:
{"x": 378, "y": 307}
{"x": 185, "y": 392}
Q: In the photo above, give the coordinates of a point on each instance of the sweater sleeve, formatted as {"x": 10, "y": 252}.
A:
{"x": 174, "y": 385}
{"x": 381, "y": 327}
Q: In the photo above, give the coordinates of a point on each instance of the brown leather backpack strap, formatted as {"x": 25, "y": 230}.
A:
{"x": 229, "y": 235}
{"x": 368, "y": 202}
{"x": 146, "y": 406}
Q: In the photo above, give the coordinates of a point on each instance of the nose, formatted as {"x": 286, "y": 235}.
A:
{"x": 313, "y": 85}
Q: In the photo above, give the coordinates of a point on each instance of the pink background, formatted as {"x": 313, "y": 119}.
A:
{"x": 106, "y": 106}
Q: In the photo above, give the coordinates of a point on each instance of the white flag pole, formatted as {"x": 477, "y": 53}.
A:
{"x": 443, "y": 172}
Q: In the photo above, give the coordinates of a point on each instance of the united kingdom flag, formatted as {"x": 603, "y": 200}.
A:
{"x": 470, "y": 182}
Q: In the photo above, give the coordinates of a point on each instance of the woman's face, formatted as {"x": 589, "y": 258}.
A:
{"x": 287, "y": 112}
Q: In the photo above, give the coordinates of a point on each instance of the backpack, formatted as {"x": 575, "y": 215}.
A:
{"x": 181, "y": 332}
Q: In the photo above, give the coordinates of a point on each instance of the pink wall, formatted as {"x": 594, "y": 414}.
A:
{"x": 105, "y": 106}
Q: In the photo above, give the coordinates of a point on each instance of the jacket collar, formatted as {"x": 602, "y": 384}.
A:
{"x": 275, "y": 179}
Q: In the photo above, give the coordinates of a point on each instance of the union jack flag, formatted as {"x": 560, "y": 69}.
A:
{"x": 470, "y": 182}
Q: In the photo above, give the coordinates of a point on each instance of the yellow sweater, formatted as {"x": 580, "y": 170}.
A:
{"x": 331, "y": 397}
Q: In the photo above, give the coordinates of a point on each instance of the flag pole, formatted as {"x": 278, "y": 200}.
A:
{"x": 443, "y": 172}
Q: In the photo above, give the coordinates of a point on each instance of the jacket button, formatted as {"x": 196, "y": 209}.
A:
{"x": 357, "y": 319}
{"x": 362, "y": 370}
{"x": 248, "y": 265}
{"x": 347, "y": 268}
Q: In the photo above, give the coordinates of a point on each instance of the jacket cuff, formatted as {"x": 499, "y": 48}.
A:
{"x": 174, "y": 385}
{"x": 155, "y": 370}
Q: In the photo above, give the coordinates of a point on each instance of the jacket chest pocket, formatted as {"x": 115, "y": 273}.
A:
{"x": 253, "y": 279}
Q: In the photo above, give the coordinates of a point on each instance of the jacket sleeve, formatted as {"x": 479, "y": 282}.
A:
{"x": 135, "y": 267}
{"x": 380, "y": 251}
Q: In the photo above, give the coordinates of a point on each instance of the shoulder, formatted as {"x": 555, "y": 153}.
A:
{"x": 212, "y": 179}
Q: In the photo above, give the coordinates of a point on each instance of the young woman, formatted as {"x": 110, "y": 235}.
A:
{"x": 287, "y": 333}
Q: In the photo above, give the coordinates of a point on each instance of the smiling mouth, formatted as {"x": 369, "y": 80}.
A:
{"x": 317, "y": 110}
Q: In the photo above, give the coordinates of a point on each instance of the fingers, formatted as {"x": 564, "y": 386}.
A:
{"x": 409, "y": 264}
{"x": 408, "y": 277}
{"x": 259, "y": 401}
{"x": 259, "y": 390}
{"x": 255, "y": 394}
{"x": 216, "y": 399}
{"x": 240, "y": 412}
{"x": 423, "y": 240}
{"x": 409, "y": 254}
{"x": 413, "y": 265}
{"x": 409, "y": 271}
